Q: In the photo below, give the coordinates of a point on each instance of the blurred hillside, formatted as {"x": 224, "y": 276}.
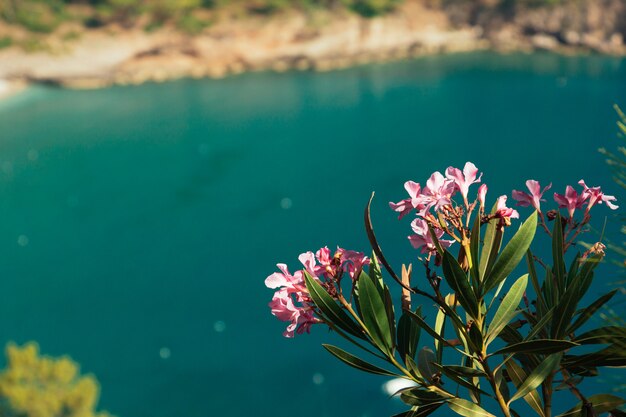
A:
{"x": 95, "y": 43}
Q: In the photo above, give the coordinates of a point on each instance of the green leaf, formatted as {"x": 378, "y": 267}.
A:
{"x": 518, "y": 376}
{"x": 440, "y": 328}
{"x": 422, "y": 324}
{"x": 534, "y": 279}
{"x": 507, "y": 309}
{"x": 458, "y": 378}
{"x": 420, "y": 397}
{"x": 512, "y": 253}
{"x": 491, "y": 246}
{"x": 610, "y": 356}
{"x": 540, "y": 325}
{"x": 566, "y": 307}
{"x": 537, "y": 376}
{"x": 475, "y": 248}
{"x": 467, "y": 409}
{"x": 603, "y": 335}
{"x": 458, "y": 281}
{"x": 330, "y": 309}
{"x": 375, "y": 273}
{"x": 558, "y": 268}
{"x": 426, "y": 361}
{"x": 466, "y": 371}
{"x": 588, "y": 312}
{"x": 391, "y": 317}
{"x": 543, "y": 346}
{"x": 408, "y": 336}
{"x": 601, "y": 403}
{"x": 374, "y": 313}
{"x": 356, "y": 362}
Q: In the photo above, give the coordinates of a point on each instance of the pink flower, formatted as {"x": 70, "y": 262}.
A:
{"x": 308, "y": 260}
{"x": 532, "y": 199}
{"x": 482, "y": 192}
{"x": 354, "y": 262}
{"x": 294, "y": 284}
{"x": 437, "y": 193}
{"x": 504, "y": 212}
{"x": 284, "y": 309}
{"x": 405, "y": 206}
{"x": 423, "y": 239}
{"x": 571, "y": 200}
{"x": 595, "y": 195}
{"x": 344, "y": 260}
{"x": 464, "y": 179}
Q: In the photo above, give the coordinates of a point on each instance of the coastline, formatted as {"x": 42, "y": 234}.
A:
{"x": 320, "y": 41}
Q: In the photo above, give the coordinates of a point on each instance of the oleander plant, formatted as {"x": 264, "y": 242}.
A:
{"x": 501, "y": 329}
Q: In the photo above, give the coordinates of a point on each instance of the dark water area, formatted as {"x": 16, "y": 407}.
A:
{"x": 137, "y": 224}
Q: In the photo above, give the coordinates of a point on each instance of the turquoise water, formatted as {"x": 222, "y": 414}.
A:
{"x": 141, "y": 221}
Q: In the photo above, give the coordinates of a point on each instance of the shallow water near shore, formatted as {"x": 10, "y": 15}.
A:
{"x": 139, "y": 223}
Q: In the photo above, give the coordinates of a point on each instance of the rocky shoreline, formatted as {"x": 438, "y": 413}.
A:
{"x": 313, "y": 41}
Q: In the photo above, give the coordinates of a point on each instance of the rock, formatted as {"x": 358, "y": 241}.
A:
{"x": 545, "y": 42}
{"x": 571, "y": 38}
{"x": 616, "y": 41}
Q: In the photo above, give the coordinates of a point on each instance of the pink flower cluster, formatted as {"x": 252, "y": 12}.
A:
{"x": 437, "y": 197}
{"x": 436, "y": 209}
{"x": 291, "y": 301}
{"x": 571, "y": 200}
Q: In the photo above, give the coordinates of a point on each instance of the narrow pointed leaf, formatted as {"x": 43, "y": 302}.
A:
{"x": 458, "y": 281}
{"x": 475, "y": 248}
{"x": 456, "y": 377}
{"x": 512, "y": 254}
{"x": 356, "y": 362}
{"x": 558, "y": 268}
{"x": 491, "y": 247}
{"x": 601, "y": 403}
{"x": 419, "y": 397}
{"x": 518, "y": 376}
{"x": 540, "y": 325}
{"x": 422, "y": 323}
{"x": 408, "y": 336}
{"x": 426, "y": 361}
{"x": 543, "y": 346}
{"x": 507, "y": 309}
{"x": 374, "y": 313}
{"x": 537, "y": 376}
{"x": 534, "y": 279}
{"x": 603, "y": 335}
{"x": 467, "y": 409}
{"x": 588, "y": 312}
{"x": 330, "y": 308}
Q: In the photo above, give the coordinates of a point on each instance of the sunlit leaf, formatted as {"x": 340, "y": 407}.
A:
{"x": 507, "y": 309}
{"x": 356, "y": 362}
{"x": 512, "y": 254}
{"x": 374, "y": 313}
{"x": 330, "y": 309}
{"x": 518, "y": 376}
{"x": 544, "y": 346}
{"x": 537, "y": 376}
{"x": 467, "y": 409}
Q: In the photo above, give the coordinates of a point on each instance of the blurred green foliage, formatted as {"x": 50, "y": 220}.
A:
{"x": 617, "y": 161}
{"x": 33, "y": 385}
{"x": 44, "y": 16}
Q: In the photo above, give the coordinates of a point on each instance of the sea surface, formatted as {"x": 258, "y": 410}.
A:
{"x": 137, "y": 224}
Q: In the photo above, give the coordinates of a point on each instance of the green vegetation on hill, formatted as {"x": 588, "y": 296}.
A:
{"x": 44, "y": 16}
